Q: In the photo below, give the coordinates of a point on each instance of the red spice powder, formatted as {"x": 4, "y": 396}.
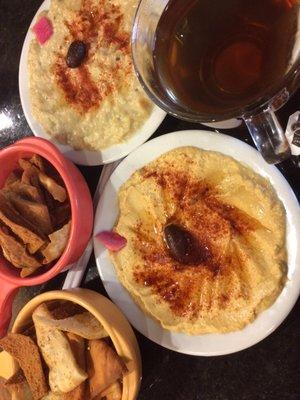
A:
{"x": 81, "y": 91}
{"x": 97, "y": 25}
{"x": 179, "y": 284}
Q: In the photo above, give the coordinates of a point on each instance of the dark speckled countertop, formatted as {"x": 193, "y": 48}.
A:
{"x": 268, "y": 371}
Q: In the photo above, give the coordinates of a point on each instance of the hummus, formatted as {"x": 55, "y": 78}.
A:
{"x": 235, "y": 219}
{"x": 100, "y": 103}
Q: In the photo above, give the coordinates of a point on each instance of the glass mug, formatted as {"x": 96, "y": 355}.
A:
{"x": 256, "y": 109}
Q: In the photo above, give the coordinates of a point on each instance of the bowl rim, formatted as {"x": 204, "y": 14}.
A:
{"x": 48, "y": 151}
{"x": 77, "y": 296}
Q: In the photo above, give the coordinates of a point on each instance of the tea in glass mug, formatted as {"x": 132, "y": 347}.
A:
{"x": 212, "y": 60}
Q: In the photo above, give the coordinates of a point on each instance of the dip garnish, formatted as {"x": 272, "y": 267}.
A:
{"x": 184, "y": 247}
{"x": 112, "y": 240}
{"x": 76, "y": 54}
{"x": 43, "y": 30}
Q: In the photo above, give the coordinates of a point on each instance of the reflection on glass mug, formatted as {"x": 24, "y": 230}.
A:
{"x": 210, "y": 60}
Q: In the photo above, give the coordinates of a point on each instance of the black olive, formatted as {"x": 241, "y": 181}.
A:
{"x": 76, "y": 54}
{"x": 184, "y": 247}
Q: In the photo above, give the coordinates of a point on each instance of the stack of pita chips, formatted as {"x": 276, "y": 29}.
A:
{"x": 35, "y": 216}
{"x": 64, "y": 359}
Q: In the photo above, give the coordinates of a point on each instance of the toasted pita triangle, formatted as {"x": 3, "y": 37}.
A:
{"x": 4, "y": 393}
{"x": 15, "y": 252}
{"x": 27, "y": 271}
{"x": 58, "y": 243}
{"x": 26, "y": 353}
{"x": 57, "y": 191}
{"x": 20, "y": 226}
{"x": 64, "y": 372}
{"x": 36, "y": 213}
{"x": 104, "y": 366}
{"x": 38, "y": 162}
{"x": 113, "y": 392}
{"x": 84, "y": 325}
{"x": 77, "y": 344}
{"x": 26, "y": 191}
{"x": 12, "y": 178}
{"x": 18, "y": 387}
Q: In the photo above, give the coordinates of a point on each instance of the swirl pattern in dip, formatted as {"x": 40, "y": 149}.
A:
{"x": 235, "y": 219}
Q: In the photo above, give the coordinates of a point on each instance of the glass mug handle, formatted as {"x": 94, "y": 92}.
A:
{"x": 268, "y": 135}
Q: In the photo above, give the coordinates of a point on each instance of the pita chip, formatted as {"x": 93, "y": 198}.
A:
{"x": 84, "y": 325}
{"x": 18, "y": 387}
{"x": 105, "y": 366}
{"x": 26, "y": 191}
{"x": 12, "y": 178}
{"x": 113, "y": 392}
{"x": 58, "y": 192}
{"x": 36, "y": 213}
{"x": 64, "y": 372}
{"x": 4, "y": 393}
{"x": 58, "y": 243}
{"x": 78, "y": 348}
{"x": 15, "y": 252}
{"x": 32, "y": 173}
{"x": 38, "y": 162}
{"x": 20, "y": 226}
{"x": 26, "y": 353}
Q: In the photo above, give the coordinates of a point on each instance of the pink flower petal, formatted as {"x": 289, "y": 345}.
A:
{"x": 112, "y": 240}
{"x": 43, "y": 30}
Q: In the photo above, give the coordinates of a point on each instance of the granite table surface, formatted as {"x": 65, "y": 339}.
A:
{"x": 269, "y": 370}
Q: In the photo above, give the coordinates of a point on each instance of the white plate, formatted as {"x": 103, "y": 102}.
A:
{"x": 82, "y": 157}
{"x": 107, "y": 212}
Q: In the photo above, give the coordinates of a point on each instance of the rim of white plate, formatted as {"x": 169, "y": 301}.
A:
{"x": 82, "y": 157}
{"x": 210, "y": 344}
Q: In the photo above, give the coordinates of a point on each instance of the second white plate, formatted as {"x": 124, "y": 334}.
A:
{"x": 83, "y": 157}
{"x": 107, "y": 213}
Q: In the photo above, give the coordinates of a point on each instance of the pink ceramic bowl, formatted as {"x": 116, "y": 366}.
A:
{"x": 81, "y": 223}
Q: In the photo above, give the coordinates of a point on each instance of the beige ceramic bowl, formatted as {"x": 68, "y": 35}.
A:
{"x": 110, "y": 317}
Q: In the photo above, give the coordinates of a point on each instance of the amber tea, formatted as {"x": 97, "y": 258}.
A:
{"x": 215, "y": 57}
